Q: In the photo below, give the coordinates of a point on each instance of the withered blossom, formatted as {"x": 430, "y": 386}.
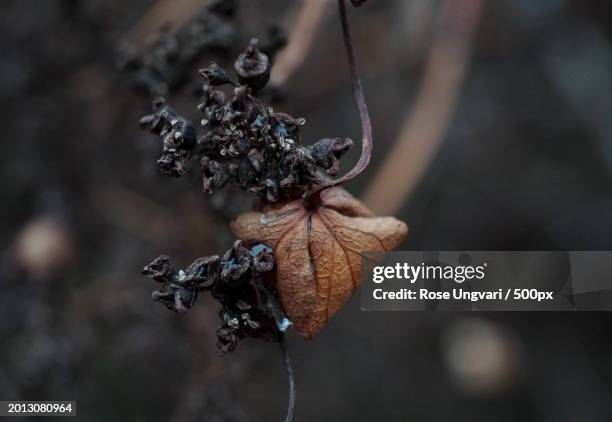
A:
{"x": 236, "y": 281}
{"x": 245, "y": 142}
{"x": 318, "y": 230}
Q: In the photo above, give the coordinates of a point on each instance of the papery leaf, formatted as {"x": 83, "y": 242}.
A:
{"x": 318, "y": 251}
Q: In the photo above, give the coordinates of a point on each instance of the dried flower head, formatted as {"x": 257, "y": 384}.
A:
{"x": 235, "y": 280}
{"x": 245, "y": 142}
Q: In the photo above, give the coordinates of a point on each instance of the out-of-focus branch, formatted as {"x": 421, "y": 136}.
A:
{"x": 302, "y": 35}
{"x": 163, "y": 12}
{"x": 427, "y": 123}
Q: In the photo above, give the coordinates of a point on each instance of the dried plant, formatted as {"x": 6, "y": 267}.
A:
{"x": 304, "y": 243}
{"x": 235, "y": 280}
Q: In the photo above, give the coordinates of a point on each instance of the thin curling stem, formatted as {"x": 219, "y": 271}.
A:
{"x": 289, "y": 368}
{"x": 364, "y": 116}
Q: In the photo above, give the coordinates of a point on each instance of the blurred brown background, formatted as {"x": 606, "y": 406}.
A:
{"x": 505, "y": 143}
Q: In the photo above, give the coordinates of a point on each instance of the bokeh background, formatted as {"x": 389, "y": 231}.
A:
{"x": 492, "y": 131}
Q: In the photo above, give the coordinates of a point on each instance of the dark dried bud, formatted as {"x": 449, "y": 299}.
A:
{"x": 248, "y": 322}
{"x": 236, "y": 264}
{"x": 328, "y": 151}
{"x": 253, "y": 67}
{"x": 160, "y": 269}
{"x": 263, "y": 258}
{"x": 227, "y": 340}
{"x": 202, "y": 273}
{"x": 157, "y": 121}
{"x": 288, "y": 127}
{"x": 271, "y": 190}
{"x": 178, "y": 137}
{"x": 170, "y": 165}
{"x": 176, "y": 297}
{"x": 214, "y": 175}
{"x": 216, "y": 75}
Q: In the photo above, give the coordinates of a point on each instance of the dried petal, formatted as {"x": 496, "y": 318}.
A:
{"x": 318, "y": 251}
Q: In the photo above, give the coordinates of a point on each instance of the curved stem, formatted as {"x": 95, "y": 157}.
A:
{"x": 364, "y": 116}
{"x": 289, "y": 368}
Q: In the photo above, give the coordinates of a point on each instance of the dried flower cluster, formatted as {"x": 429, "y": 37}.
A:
{"x": 317, "y": 231}
{"x": 235, "y": 280}
{"x": 246, "y": 142}
{"x": 309, "y": 230}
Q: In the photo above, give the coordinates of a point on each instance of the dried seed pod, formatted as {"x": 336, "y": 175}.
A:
{"x": 253, "y": 67}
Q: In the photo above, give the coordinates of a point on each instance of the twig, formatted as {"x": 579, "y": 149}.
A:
{"x": 426, "y": 125}
{"x": 289, "y": 368}
{"x": 364, "y": 116}
{"x": 309, "y": 18}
